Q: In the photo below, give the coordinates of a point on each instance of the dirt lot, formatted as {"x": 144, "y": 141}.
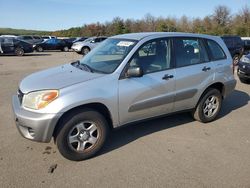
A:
{"x": 173, "y": 151}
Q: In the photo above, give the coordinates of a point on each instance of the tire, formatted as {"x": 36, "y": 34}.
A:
{"x": 39, "y": 49}
{"x": 236, "y": 59}
{"x": 19, "y": 51}
{"x": 207, "y": 109}
{"x": 82, "y": 135}
{"x": 65, "y": 48}
{"x": 85, "y": 50}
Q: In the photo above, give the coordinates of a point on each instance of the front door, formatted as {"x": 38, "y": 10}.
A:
{"x": 153, "y": 93}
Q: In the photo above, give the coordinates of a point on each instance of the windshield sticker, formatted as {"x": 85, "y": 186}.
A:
{"x": 125, "y": 43}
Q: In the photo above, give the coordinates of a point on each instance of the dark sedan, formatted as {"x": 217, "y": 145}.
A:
{"x": 53, "y": 44}
{"x": 14, "y": 46}
{"x": 244, "y": 68}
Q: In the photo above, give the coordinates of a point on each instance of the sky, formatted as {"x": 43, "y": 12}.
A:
{"x": 53, "y": 15}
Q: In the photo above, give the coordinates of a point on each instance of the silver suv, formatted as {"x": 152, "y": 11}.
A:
{"x": 85, "y": 46}
{"x": 144, "y": 76}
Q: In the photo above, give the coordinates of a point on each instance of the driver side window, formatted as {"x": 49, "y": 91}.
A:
{"x": 153, "y": 56}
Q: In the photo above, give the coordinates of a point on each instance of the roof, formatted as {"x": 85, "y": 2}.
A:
{"x": 140, "y": 36}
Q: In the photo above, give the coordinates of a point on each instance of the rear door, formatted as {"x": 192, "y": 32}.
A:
{"x": 153, "y": 93}
{"x": 194, "y": 71}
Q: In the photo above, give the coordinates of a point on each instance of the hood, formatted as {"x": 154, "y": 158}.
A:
{"x": 79, "y": 43}
{"x": 56, "y": 78}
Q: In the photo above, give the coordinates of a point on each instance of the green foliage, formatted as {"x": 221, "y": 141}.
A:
{"x": 10, "y": 31}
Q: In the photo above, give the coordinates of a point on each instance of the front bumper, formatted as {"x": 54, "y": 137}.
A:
{"x": 76, "y": 48}
{"x": 243, "y": 74}
{"x": 31, "y": 125}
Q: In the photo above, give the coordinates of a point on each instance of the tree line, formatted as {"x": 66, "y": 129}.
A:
{"x": 220, "y": 22}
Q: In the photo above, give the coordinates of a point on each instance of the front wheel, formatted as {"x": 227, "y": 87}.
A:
{"x": 208, "y": 106}
{"x": 65, "y": 48}
{"x": 85, "y": 50}
{"x": 82, "y": 135}
{"x": 19, "y": 51}
{"x": 39, "y": 49}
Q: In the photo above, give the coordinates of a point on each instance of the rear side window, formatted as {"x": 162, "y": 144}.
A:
{"x": 189, "y": 51}
{"x": 216, "y": 50}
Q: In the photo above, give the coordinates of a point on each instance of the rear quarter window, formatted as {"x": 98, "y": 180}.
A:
{"x": 216, "y": 51}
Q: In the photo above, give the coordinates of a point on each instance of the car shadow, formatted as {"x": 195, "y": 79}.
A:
{"x": 235, "y": 100}
{"x": 26, "y": 55}
{"x": 124, "y": 135}
{"x": 37, "y": 54}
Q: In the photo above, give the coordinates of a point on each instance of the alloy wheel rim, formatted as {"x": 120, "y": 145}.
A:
{"x": 19, "y": 52}
{"x": 211, "y": 106}
{"x": 86, "y": 51}
{"x": 83, "y": 136}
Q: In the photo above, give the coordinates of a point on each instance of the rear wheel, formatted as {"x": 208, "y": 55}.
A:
{"x": 19, "y": 51}
{"x": 82, "y": 135}
{"x": 85, "y": 50}
{"x": 208, "y": 106}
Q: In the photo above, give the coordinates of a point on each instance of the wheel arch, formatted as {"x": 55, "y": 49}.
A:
{"x": 99, "y": 107}
{"x": 218, "y": 85}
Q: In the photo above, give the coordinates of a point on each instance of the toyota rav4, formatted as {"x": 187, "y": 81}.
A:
{"x": 147, "y": 75}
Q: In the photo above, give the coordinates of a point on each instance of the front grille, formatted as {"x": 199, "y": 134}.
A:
{"x": 20, "y": 96}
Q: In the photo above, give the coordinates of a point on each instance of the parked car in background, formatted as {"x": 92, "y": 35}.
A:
{"x": 246, "y": 46}
{"x": 87, "y": 45}
{"x": 70, "y": 41}
{"x": 30, "y": 39}
{"x": 235, "y": 46}
{"x": 244, "y": 68}
{"x": 10, "y": 45}
{"x": 48, "y": 37}
{"x": 10, "y": 36}
{"x": 52, "y": 44}
{"x": 80, "y": 102}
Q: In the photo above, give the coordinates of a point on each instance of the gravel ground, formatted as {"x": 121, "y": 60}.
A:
{"x": 174, "y": 151}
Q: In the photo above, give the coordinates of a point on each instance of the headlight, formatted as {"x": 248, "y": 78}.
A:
{"x": 245, "y": 59}
{"x": 34, "y": 46}
{"x": 39, "y": 99}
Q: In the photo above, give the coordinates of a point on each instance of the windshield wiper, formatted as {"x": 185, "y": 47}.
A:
{"x": 82, "y": 66}
{"x": 85, "y": 67}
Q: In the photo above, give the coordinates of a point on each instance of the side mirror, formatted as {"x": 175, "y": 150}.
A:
{"x": 93, "y": 41}
{"x": 134, "y": 71}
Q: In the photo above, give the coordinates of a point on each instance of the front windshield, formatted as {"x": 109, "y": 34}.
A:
{"x": 89, "y": 39}
{"x": 107, "y": 56}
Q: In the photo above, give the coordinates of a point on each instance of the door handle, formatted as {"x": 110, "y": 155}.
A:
{"x": 205, "y": 69}
{"x": 167, "y": 76}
